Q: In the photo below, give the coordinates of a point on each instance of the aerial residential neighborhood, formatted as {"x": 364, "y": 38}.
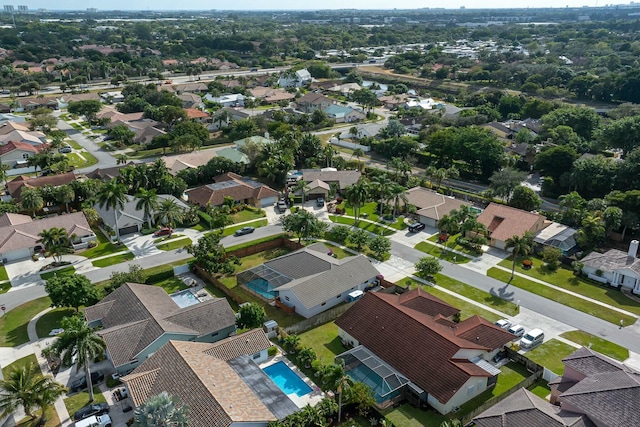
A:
{"x": 336, "y": 217}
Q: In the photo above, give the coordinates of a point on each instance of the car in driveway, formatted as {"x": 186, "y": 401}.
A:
{"x": 90, "y": 410}
{"x": 282, "y": 207}
{"x": 320, "y": 202}
{"x": 503, "y": 323}
{"x": 81, "y": 383}
{"x": 166, "y": 231}
{"x": 517, "y": 330}
{"x": 414, "y": 228}
{"x": 95, "y": 421}
{"x": 65, "y": 149}
{"x": 244, "y": 230}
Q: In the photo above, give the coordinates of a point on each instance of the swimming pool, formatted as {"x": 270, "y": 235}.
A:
{"x": 286, "y": 379}
{"x": 184, "y": 298}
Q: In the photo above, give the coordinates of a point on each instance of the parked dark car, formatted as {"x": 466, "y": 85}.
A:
{"x": 81, "y": 383}
{"x": 166, "y": 231}
{"x": 414, "y": 228}
{"x": 320, "y": 202}
{"x": 89, "y": 410}
{"x": 282, "y": 207}
{"x": 502, "y": 354}
{"x": 244, "y": 230}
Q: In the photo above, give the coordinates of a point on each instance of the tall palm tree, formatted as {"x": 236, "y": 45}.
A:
{"x": 65, "y": 194}
{"x": 161, "y": 410}
{"x": 398, "y": 194}
{"x": 358, "y": 152}
{"x": 121, "y": 159}
{"x": 78, "y": 341}
{"x": 26, "y": 387}
{"x": 57, "y": 242}
{"x": 31, "y": 201}
{"x": 169, "y": 213}
{"x": 148, "y": 202}
{"x": 382, "y": 185}
{"x": 356, "y": 194}
{"x": 343, "y": 385}
{"x": 301, "y": 185}
{"x": 521, "y": 246}
{"x": 113, "y": 196}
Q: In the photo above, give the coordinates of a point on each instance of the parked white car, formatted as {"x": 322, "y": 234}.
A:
{"x": 95, "y": 421}
{"x": 503, "y": 323}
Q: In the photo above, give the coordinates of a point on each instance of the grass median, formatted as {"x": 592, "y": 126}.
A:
{"x": 578, "y": 303}
{"x": 175, "y": 244}
{"x": 112, "y": 260}
{"x": 441, "y": 253}
{"x": 598, "y": 344}
{"x": 476, "y": 294}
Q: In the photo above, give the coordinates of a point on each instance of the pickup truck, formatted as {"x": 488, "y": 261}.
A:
{"x": 95, "y": 421}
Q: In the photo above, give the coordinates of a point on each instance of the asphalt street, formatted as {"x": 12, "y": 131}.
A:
{"x": 105, "y": 159}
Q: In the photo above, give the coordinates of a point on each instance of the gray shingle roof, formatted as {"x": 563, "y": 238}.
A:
{"x": 588, "y": 362}
{"x": 611, "y": 260}
{"x": 302, "y": 263}
{"x": 343, "y": 178}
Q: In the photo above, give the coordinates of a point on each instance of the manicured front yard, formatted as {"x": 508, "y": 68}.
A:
{"x": 3, "y": 274}
{"x": 561, "y": 297}
{"x": 565, "y": 279}
{"x": 174, "y": 244}
{"x": 104, "y": 246}
{"x": 369, "y": 226}
{"x": 597, "y": 344}
{"x": 324, "y": 341}
{"x": 51, "y": 320}
{"x": 65, "y": 271}
{"x": 450, "y": 243}
{"x": 81, "y": 399}
{"x": 78, "y": 162}
{"x": 476, "y": 294}
{"x": 228, "y": 231}
{"x": 370, "y": 211}
{"x": 550, "y": 355}
{"x": 31, "y": 358}
{"x": 13, "y": 324}
{"x": 112, "y": 260}
{"x": 438, "y": 252}
{"x": 247, "y": 215}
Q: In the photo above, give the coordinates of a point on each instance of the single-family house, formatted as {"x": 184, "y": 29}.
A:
{"x": 369, "y": 130}
{"x": 343, "y": 114}
{"x": 16, "y": 154}
{"x": 316, "y": 189}
{"x": 342, "y": 179}
{"x": 432, "y": 206}
{"x": 176, "y": 163}
{"x": 393, "y": 102}
{"x": 615, "y": 267}
{"x": 112, "y": 115}
{"x": 65, "y": 99}
{"x": 106, "y": 174}
{"x": 129, "y": 219}
{"x": 10, "y": 117}
{"x": 345, "y": 88}
{"x": 9, "y": 126}
{"x": 311, "y": 102}
{"x": 146, "y": 133}
{"x": 224, "y": 116}
{"x": 233, "y": 154}
{"x": 191, "y": 100}
{"x": 269, "y": 95}
{"x": 136, "y": 320}
{"x": 558, "y": 236}
{"x": 29, "y": 104}
{"x": 504, "y": 222}
{"x": 261, "y": 141}
{"x": 195, "y": 87}
{"x": 419, "y": 103}
{"x": 29, "y": 137}
{"x": 16, "y": 185}
{"x": 220, "y": 383}
{"x": 240, "y": 189}
{"x": 295, "y": 78}
{"x": 500, "y": 130}
{"x": 112, "y": 97}
{"x": 197, "y": 115}
{"x": 19, "y": 234}
{"x": 227, "y": 100}
{"x": 408, "y": 346}
{"x": 310, "y": 281}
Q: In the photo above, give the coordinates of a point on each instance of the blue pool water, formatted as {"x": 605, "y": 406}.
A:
{"x": 286, "y": 379}
{"x": 261, "y": 287}
{"x": 184, "y": 298}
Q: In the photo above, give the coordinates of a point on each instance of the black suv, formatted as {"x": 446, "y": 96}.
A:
{"x": 89, "y": 410}
{"x": 81, "y": 383}
{"x": 414, "y": 228}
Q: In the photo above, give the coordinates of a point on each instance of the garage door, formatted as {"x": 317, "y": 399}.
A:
{"x": 17, "y": 255}
{"x": 129, "y": 230}
{"x": 269, "y": 201}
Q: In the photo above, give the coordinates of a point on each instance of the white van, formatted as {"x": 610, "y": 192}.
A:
{"x": 532, "y": 338}
{"x": 95, "y": 421}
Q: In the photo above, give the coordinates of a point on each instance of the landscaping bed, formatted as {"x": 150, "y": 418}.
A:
{"x": 66, "y": 271}
{"x": 104, "y": 246}
{"x": 435, "y": 239}
{"x": 175, "y": 244}
{"x": 369, "y": 226}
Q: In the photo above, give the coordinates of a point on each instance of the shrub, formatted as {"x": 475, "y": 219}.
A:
{"x": 272, "y": 351}
{"x": 341, "y": 233}
{"x": 160, "y": 276}
{"x": 92, "y": 244}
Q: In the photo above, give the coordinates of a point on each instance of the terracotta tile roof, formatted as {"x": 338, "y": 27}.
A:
{"x": 504, "y": 222}
{"x": 413, "y": 342}
{"x": 24, "y": 146}
{"x": 431, "y": 204}
{"x": 426, "y": 303}
{"x": 194, "y": 113}
{"x": 215, "y": 394}
{"x": 229, "y": 185}
{"x": 16, "y": 185}
{"x": 343, "y": 178}
{"x": 479, "y": 330}
{"x": 189, "y": 160}
{"x": 10, "y": 126}
{"x": 134, "y": 315}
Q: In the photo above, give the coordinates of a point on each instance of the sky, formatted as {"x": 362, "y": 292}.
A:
{"x": 296, "y": 4}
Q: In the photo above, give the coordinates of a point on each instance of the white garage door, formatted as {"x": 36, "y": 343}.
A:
{"x": 17, "y": 255}
{"x": 269, "y": 201}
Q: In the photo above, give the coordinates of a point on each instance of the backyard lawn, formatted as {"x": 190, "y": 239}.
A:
{"x": 112, "y": 260}
{"x": 13, "y": 324}
{"x": 562, "y": 298}
{"x": 104, "y": 246}
{"x": 65, "y": 271}
{"x": 174, "y": 244}
{"x": 438, "y": 252}
{"x": 407, "y": 415}
{"x": 81, "y": 399}
{"x": 51, "y": 320}
{"x": 324, "y": 341}
{"x": 338, "y": 251}
{"x": 541, "y": 389}
{"x": 172, "y": 284}
{"x": 550, "y": 355}
{"x": 250, "y": 262}
{"x": 565, "y": 279}
{"x": 598, "y": 344}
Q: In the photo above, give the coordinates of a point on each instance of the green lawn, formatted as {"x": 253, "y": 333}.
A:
{"x": 565, "y": 279}
{"x": 51, "y": 320}
{"x": 247, "y": 215}
{"x": 476, "y": 294}
{"x": 550, "y": 355}
{"x": 65, "y": 271}
{"x": 324, "y": 341}
{"x": 78, "y": 162}
{"x": 20, "y": 362}
{"x": 4, "y": 287}
{"x": 407, "y": 415}
{"x": 116, "y": 259}
{"x": 370, "y": 227}
{"x": 74, "y": 144}
{"x": 3, "y": 274}
{"x": 450, "y": 244}
{"x": 370, "y": 212}
{"x": 81, "y": 399}
{"x": 467, "y": 309}
{"x": 13, "y": 324}
{"x": 172, "y": 284}
{"x": 104, "y": 247}
{"x": 175, "y": 244}
{"x": 562, "y": 298}
{"x": 598, "y": 344}
{"x": 541, "y": 389}
{"x": 338, "y": 251}
{"x": 438, "y": 252}
{"x": 228, "y": 231}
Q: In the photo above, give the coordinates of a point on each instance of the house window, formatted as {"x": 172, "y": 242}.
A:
{"x": 324, "y": 303}
{"x": 25, "y": 156}
{"x": 286, "y": 298}
{"x": 479, "y": 385}
{"x": 339, "y": 296}
{"x": 214, "y": 334}
{"x": 256, "y": 356}
{"x": 470, "y": 390}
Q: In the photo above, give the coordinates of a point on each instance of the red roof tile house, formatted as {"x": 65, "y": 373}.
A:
{"x": 407, "y": 346}
{"x": 242, "y": 190}
{"x": 504, "y": 222}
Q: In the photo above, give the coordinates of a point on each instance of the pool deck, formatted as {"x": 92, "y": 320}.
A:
{"x": 312, "y": 398}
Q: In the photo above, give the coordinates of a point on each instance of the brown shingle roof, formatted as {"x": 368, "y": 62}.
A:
{"x": 16, "y": 186}
{"x": 343, "y": 178}
{"x": 21, "y": 234}
{"x": 19, "y": 145}
{"x": 504, "y": 222}
{"x": 229, "y": 185}
{"x": 431, "y": 204}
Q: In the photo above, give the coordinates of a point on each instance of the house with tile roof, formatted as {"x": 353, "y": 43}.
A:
{"x": 136, "y": 320}
{"x": 106, "y": 174}
{"x": 16, "y": 185}
{"x": 16, "y": 154}
{"x": 342, "y": 179}
{"x": 294, "y": 79}
{"x": 615, "y": 267}
{"x": 20, "y": 239}
{"x": 311, "y": 102}
{"x": 240, "y": 189}
{"x": 432, "y": 206}
{"x": 224, "y": 116}
{"x": 310, "y": 280}
{"x": 233, "y": 154}
{"x": 408, "y": 346}
{"x": 176, "y": 163}
{"x": 221, "y": 383}
{"x": 504, "y": 222}
{"x": 342, "y": 114}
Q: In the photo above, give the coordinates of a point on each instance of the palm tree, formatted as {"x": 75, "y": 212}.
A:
{"x": 3, "y": 174}
{"x": 31, "y": 201}
{"x": 113, "y": 195}
{"x": 147, "y": 201}
{"x": 343, "y": 385}
{"x": 358, "y": 152}
{"x": 161, "y": 410}
{"x": 398, "y": 194}
{"x": 26, "y": 387}
{"x": 354, "y": 132}
{"x": 301, "y": 185}
{"x": 78, "y": 341}
{"x": 382, "y": 185}
{"x": 521, "y": 246}
{"x": 169, "y": 213}
{"x": 356, "y": 194}
{"x": 65, "y": 194}
{"x": 56, "y": 242}
{"x": 121, "y": 159}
